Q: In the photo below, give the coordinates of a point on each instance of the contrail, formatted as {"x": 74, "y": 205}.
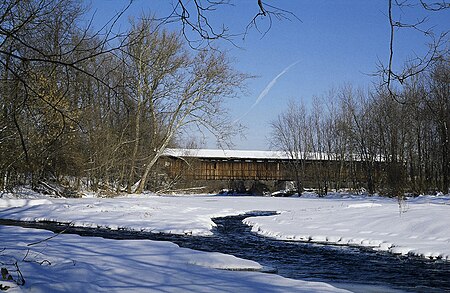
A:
{"x": 266, "y": 90}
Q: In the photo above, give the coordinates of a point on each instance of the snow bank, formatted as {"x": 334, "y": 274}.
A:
{"x": 20, "y": 202}
{"x": 22, "y": 197}
{"x": 70, "y": 263}
{"x": 418, "y": 227}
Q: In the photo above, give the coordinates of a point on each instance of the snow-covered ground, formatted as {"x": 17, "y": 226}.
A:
{"x": 71, "y": 263}
{"x": 419, "y": 227}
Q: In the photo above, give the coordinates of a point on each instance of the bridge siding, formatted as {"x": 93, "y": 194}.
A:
{"x": 243, "y": 170}
{"x": 346, "y": 173}
{"x": 229, "y": 170}
{"x": 314, "y": 174}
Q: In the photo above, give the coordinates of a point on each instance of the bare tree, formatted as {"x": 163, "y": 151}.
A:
{"x": 361, "y": 131}
{"x": 42, "y": 49}
{"x": 439, "y": 103}
{"x": 153, "y": 59}
{"x": 290, "y": 134}
{"x": 438, "y": 41}
{"x": 173, "y": 91}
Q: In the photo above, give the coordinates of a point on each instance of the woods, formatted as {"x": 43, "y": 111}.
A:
{"x": 410, "y": 138}
{"x": 96, "y": 110}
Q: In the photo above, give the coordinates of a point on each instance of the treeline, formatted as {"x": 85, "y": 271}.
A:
{"x": 401, "y": 137}
{"x": 96, "y": 109}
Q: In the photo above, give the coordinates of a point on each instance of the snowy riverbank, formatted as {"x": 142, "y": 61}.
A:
{"x": 71, "y": 263}
{"x": 420, "y": 227}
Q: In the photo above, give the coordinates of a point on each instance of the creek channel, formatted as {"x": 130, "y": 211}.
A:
{"x": 354, "y": 268}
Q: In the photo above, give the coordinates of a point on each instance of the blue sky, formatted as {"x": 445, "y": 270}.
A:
{"x": 336, "y": 43}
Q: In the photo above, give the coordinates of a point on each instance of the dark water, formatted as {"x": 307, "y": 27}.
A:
{"x": 339, "y": 265}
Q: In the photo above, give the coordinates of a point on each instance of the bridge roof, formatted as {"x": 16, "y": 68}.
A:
{"x": 238, "y": 154}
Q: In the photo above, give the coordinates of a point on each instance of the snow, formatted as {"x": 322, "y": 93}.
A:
{"x": 255, "y": 154}
{"x": 418, "y": 226}
{"x": 244, "y": 154}
{"x": 226, "y": 154}
{"x": 71, "y": 263}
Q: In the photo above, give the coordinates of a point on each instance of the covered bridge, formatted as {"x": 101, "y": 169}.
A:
{"x": 209, "y": 164}
{"x": 315, "y": 170}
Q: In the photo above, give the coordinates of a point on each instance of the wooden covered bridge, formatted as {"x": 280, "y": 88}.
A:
{"x": 276, "y": 166}
{"x": 208, "y": 164}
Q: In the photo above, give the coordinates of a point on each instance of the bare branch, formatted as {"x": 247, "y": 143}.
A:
{"x": 435, "y": 6}
{"x": 272, "y": 12}
{"x": 418, "y": 64}
{"x": 197, "y": 28}
{"x": 51, "y": 237}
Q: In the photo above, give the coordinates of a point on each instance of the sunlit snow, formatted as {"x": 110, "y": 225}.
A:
{"x": 418, "y": 226}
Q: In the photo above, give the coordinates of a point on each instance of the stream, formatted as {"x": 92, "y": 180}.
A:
{"x": 342, "y": 266}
